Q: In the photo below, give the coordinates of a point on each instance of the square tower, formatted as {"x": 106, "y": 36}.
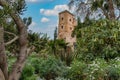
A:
{"x": 67, "y": 23}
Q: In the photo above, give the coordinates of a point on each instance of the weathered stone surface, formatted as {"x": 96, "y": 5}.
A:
{"x": 67, "y": 23}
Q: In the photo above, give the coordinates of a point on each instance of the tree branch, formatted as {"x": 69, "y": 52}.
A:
{"x": 3, "y": 57}
{"x": 30, "y": 50}
{"x": 111, "y": 9}
{"x": 10, "y": 33}
{"x": 11, "y": 41}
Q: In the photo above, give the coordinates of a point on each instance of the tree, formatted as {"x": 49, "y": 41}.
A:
{"x": 14, "y": 13}
{"x": 55, "y": 37}
{"x": 98, "y": 39}
{"x": 38, "y": 41}
{"x": 11, "y": 35}
{"x": 109, "y": 9}
{"x": 3, "y": 58}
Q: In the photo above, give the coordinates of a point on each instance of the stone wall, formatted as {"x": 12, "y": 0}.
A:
{"x": 67, "y": 23}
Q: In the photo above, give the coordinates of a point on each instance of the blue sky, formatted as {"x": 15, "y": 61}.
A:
{"x": 44, "y": 14}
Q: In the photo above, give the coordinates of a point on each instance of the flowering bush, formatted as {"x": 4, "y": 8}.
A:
{"x": 96, "y": 69}
{"x": 99, "y": 69}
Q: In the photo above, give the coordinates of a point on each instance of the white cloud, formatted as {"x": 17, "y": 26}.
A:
{"x": 54, "y": 11}
{"x": 32, "y": 24}
{"x": 49, "y": 29}
{"x": 44, "y": 19}
{"x": 1, "y": 7}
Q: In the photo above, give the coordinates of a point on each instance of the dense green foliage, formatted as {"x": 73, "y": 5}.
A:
{"x": 46, "y": 67}
{"x": 96, "y": 57}
{"x": 95, "y": 70}
{"x": 98, "y": 39}
{"x": 38, "y": 41}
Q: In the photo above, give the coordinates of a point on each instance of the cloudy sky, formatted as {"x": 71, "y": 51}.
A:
{"x": 44, "y": 14}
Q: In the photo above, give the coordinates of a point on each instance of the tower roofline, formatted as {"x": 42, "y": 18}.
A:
{"x": 66, "y": 11}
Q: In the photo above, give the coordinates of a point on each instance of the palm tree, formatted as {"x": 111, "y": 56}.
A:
{"x": 62, "y": 50}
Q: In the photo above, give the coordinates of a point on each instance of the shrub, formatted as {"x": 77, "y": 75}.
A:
{"x": 28, "y": 73}
{"x": 76, "y": 71}
{"x": 96, "y": 69}
{"x": 48, "y": 68}
{"x": 113, "y": 70}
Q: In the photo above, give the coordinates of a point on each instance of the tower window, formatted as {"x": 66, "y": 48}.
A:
{"x": 64, "y": 38}
{"x": 62, "y": 18}
{"x": 70, "y": 28}
{"x": 62, "y": 27}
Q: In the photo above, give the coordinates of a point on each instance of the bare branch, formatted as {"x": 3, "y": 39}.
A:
{"x": 10, "y": 33}
{"x": 11, "y": 41}
{"x": 30, "y": 50}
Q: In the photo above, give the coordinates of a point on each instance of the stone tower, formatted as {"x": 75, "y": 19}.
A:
{"x": 67, "y": 23}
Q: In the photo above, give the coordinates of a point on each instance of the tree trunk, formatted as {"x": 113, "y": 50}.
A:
{"x": 1, "y": 75}
{"x": 3, "y": 58}
{"x": 22, "y": 55}
{"x": 111, "y": 9}
{"x": 19, "y": 64}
